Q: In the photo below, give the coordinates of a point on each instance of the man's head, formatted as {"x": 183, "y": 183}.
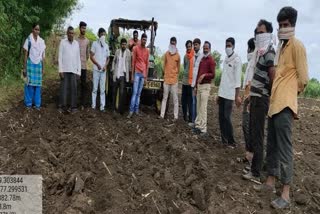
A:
{"x": 135, "y": 35}
{"x": 144, "y": 38}
{"x": 251, "y": 45}
{"x": 206, "y": 47}
{"x": 287, "y": 17}
{"x": 173, "y": 41}
{"x": 101, "y": 32}
{"x": 264, "y": 27}
{"x": 196, "y": 44}
{"x": 189, "y": 46}
{"x": 82, "y": 28}
{"x": 36, "y": 29}
{"x": 230, "y": 43}
{"x": 70, "y": 33}
{"x": 123, "y": 43}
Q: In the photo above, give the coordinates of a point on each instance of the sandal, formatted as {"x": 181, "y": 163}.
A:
{"x": 264, "y": 188}
{"x": 280, "y": 203}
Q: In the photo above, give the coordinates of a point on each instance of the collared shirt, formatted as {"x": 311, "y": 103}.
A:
{"x": 231, "y": 77}
{"x": 290, "y": 78}
{"x": 260, "y": 84}
{"x": 84, "y": 51}
{"x": 101, "y": 53}
{"x": 171, "y": 68}
{"x": 37, "y": 48}
{"x": 69, "y": 57}
{"x": 140, "y": 60}
{"x": 207, "y": 67}
{"x": 197, "y": 59}
{"x": 132, "y": 42}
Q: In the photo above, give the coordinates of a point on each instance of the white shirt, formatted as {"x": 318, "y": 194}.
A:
{"x": 69, "y": 57}
{"x": 122, "y": 64}
{"x": 101, "y": 53}
{"x": 231, "y": 77}
{"x": 37, "y": 49}
{"x": 196, "y": 67}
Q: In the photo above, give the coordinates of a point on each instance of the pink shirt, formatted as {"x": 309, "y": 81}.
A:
{"x": 84, "y": 51}
{"x": 140, "y": 60}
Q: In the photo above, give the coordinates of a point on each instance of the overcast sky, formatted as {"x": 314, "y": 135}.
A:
{"x": 212, "y": 20}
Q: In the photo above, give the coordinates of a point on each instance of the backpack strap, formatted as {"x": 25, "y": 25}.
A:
{"x": 29, "y": 45}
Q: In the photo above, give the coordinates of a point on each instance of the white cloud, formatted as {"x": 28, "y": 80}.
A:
{"x": 212, "y": 20}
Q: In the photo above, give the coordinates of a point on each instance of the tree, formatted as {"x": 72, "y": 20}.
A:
{"x": 217, "y": 57}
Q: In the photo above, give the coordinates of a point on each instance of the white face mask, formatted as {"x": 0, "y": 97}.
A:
{"x": 229, "y": 51}
{"x": 249, "y": 56}
{"x": 286, "y": 33}
{"x": 263, "y": 40}
{"x": 103, "y": 39}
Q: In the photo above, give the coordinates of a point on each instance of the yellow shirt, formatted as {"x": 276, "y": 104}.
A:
{"x": 290, "y": 79}
{"x": 171, "y": 68}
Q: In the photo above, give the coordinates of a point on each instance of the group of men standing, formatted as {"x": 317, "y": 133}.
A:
{"x": 272, "y": 82}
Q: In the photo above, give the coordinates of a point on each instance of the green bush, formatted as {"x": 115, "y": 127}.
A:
{"x": 312, "y": 89}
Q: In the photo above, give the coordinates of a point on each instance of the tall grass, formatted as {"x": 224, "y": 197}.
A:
{"x": 313, "y": 89}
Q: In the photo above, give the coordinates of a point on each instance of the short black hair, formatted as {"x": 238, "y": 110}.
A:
{"x": 251, "y": 44}
{"x": 206, "y": 42}
{"x": 173, "y": 39}
{"x": 197, "y": 40}
{"x": 82, "y": 24}
{"x": 70, "y": 28}
{"x": 101, "y": 30}
{"x": 123, "y": 40}
{"x": 268, "y": 25}
{"x": 188, "y": 42}
{"x": 231, "y": 40}
{"x": 144, "y": 35}
{"x": 135, "y": 32}
{"x": 35, "y": 25}
{"x": 288, "y": 13}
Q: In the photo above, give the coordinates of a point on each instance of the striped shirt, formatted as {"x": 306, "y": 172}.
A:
{"x": 260, "y": 85}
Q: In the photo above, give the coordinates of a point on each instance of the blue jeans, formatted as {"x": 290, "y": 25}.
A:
{"x": 137, "y": 88}
{"x": 194, "y": 106}
{"x": 32, "y": 95}
{"x": 99, "y": 79}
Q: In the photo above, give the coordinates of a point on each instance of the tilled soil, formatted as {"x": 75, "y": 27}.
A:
{"x": 94, "y": 162}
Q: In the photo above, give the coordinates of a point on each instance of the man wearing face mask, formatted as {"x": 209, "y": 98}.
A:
{"x": 197, "y": 59}
{"x": 245, "y": 112}
{"x": 291, "y": 77}
{"x": 259, "y": 94}
{"x": 206, "y": 74}
{"x": 171, "y": 72}
{"x": 229, "y": 91}
{"x": 99, "y": 56}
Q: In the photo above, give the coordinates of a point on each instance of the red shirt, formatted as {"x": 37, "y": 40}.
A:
{"x": 207, "y": 67}
{"x": 140, "y": 60}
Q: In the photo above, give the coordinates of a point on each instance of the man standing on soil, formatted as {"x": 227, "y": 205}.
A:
{"x": 140, "y": 65}
{"x": 206, "y": 74}
{"x": 134, "y": 41}
{"x": 171, "y": 72}
{"x": 259, "y": 94}
{"x": 34, "y": 49}
{"x": 197, "y": 59}
{"x": 99, "y": 55}
{"x": 84, "y": 56}
{"x": 291, "y": 77}
{"x": 69, "y": 70}
{"x": 229, "y": 91}
{"x": 186, "y": 97}
{"x": 245, "y": 113}
{"x": 121, "y": 66}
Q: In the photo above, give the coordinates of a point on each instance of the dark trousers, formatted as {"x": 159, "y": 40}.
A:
{"x": 186, "y": 100}
{"x": 68, "y": 83}
{"x": 258, "y": 111}
{"x": 246, "y": 125}
{"x": 279, "y": 146}
{"x": 225, "y": 110}
{"x": 119, "y": 84}
{"x": 83, "y": 86}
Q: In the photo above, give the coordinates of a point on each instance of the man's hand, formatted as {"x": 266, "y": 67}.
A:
{"x": 238, "y": 101}
{"x": 99, "y": 67}
{"x": 217, "y": 100}
{"x": 201, "y": 78}
{"x": 61, "y": 75}
{"x": 104, "y": 68}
